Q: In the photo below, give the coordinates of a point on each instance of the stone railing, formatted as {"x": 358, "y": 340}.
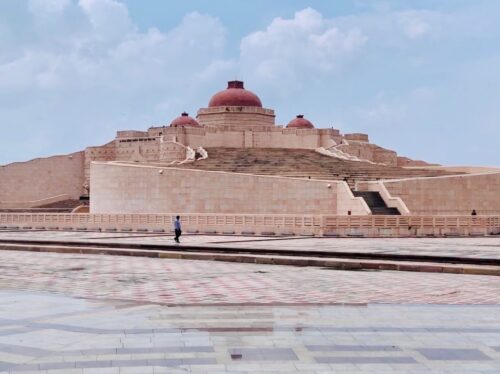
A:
{"x": 192, "y": 223}
{"x": 260, "y": 224}
{"x": 202, "y": 152}
{"x": 401, "y": 226}
{"x": 190, "y": 155}
{"x": 338, "y": 153}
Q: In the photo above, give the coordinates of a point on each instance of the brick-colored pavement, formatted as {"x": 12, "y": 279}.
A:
{"x": 87, "y": 314}
{"x": 181, "y": 282}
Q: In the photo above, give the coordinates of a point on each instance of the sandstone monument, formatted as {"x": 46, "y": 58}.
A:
{"x": 232, "y": 158}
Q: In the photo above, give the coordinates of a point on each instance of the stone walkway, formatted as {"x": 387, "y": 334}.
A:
{"x": 41, "y": 333}
{"x": 486, "y": 247}
{"x": 73, "y": 313}
{"x": 185, "y": 282}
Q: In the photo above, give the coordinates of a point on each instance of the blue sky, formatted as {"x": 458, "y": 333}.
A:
{"x": 421, "y": 77}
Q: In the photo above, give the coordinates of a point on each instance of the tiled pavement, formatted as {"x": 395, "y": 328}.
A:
{"x": 43, "y": 333}
{"x": 485, "y": 247}
{"x": 184, "y": 282}
{"x": 70, "y": 313}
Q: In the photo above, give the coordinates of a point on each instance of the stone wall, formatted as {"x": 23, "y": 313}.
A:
{"x": 138, "y": 150}
{"x": 106, "y": 152}
{"x": 172, "y": 151}
{"x": 348, "y": 204}
{"x": 242, "y": 118}
{"x": 357, "y": 137}
{"x": 229, "y": 136}
{"x": 458, "y": 194}
{"x": 119, "y": 188}
{"x": 405, "y": 161}
{"x": 371, "y": 152}
{"x": 42, "y": 178}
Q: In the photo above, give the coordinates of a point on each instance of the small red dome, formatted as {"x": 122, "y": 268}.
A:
{"x": 184, "y": 120}
{"x": 235, "y": 95}
{"x": 300, "y": 123}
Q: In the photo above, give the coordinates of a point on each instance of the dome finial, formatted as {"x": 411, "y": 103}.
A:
{"x": 235, "y": 84}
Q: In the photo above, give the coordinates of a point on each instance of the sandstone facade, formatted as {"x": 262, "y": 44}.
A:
{"x": 118, "y": 188}
{"x": 450, "y": 195}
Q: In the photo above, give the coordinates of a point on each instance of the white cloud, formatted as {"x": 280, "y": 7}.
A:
{"x": 46, "y": 7}
{"x": 99, "y": 73}
{"x": 290, "y": 47}
{"x": 83, "y": 69}
{"x": 109, "y": 18}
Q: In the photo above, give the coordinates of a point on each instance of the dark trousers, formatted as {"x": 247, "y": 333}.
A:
{"x": 177, "y": 235}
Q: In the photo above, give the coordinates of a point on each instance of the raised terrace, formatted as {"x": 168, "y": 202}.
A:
{"x": 301, "y": 163}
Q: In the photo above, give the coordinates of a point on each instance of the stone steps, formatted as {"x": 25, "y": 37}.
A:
{"x": 300, "y": 163}
{"x": 376, "y": 204}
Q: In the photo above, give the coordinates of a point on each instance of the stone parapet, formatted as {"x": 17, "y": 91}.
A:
{"x": 131, "y": 134}
{"x": 263, "y": 224}
{"x": 357, "y": 137}
{"x": 445, "y": 195}
{"x": 239, "y": 118}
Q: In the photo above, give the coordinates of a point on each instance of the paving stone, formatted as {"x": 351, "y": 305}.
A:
{"x": 262, "y": 354}
{"x": 365, "y": 360}
{"x": 447, "y": 354}
{"x": 151, "y": 315}
{"x": 234, "y": 283}
{"x": 354, "y": 348}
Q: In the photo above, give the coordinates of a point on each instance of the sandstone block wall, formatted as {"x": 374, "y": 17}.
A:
{"x": 106, "y": 152}
{"x": 118, "y": 188}
{"x": 234, "y": 137}
{"x": 237, "y": 117}
{"x": 371, "y": 152}
{"x": 357, "y": 136}
{"x": 42, "y": 178}
{"x": 405, "y": 161}
{"x": 171, "y": 151}
{"x": 447, "y": 195}
{"x": 348, "y": 204}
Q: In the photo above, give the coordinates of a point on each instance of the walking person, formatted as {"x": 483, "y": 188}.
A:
{"x": 177, "y": 229}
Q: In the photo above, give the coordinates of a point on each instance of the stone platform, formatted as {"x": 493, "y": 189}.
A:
{"x": 73, "y": 313}
{"x": 434, "y": 255}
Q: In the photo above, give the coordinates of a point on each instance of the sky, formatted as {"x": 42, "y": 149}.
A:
{"x": 421, "y": 77}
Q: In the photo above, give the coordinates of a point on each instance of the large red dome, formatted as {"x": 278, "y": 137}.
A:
{"x": 184, "y": 120}
{"x": 235, "y": 95}
{"x": 300, "y": 123}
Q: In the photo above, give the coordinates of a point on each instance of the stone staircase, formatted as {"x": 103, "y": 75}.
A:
{"x": 376, "y": 204}
{"x": 300, "y": 163}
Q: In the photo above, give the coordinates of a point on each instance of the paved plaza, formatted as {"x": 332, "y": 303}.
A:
{"x": 77, "y": 313}
{"x": 57, "y": 334}
{"x": 185, "y": 282}
{"x": 472, "y": 247}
